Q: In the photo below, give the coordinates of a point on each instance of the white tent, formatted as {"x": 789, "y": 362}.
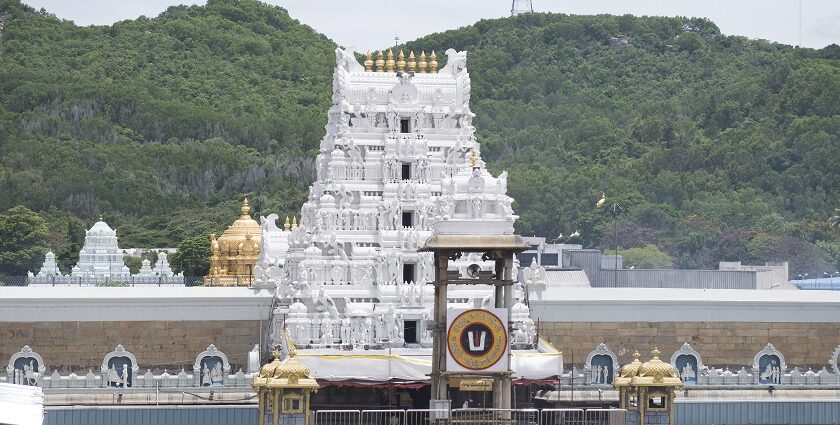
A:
{"x": 414, "y": 365}
{"x": 21, "y": 405}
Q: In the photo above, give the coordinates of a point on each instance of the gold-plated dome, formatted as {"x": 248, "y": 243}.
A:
{"x": 288, "y": 373}
{"x": 235, "y": 252}
{"x": 291, "y": 370}
{"x": 237, "y": 232}
{"x": 652, "y": 373}
{"x": 267, "y": 370}
{"x": 657, "y": 368}
{"x": 631, "y": 369}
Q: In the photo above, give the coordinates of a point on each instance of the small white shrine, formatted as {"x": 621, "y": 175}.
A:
{"x": 100, "y": 256}
{"x": 101, "y": 261}
{"x": 49, "y": 270}
{"x": 399, "y": 157}
{"x": 162, "y": 266}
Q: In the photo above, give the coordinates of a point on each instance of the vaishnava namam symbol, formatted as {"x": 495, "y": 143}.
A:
{"x": 477, "y": 339}
{"x": 477, "y": 344}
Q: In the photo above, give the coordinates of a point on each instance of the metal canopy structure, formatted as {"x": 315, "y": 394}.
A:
{"x": 499, "y": 248}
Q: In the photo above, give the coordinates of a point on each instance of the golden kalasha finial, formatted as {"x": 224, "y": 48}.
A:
{"x": 100, "y": 217}
{"x": 380, "y": 61}
{"x": 368, "y": 62}
{"x": 245, "y": 208}
{"x": 287, "y": 225}
{"x": 422, "y": 64}
{"x": 636, "y": 355}
{"x": 401, "y": 62}
{"x": 389, "y": 64}
{"x": 412, "y": 65}
{"x": 655, "y": 353}
{"x": 294, "y": 222}
{"x": 474, "y": 158}
{"x": 433, "y": 63}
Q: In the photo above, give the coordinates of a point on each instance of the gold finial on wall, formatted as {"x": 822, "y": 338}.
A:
{"x": 287, "y": 225}
{"x": 433, "y": 63}
{"x": 422, "y": 64}
{"x": 389, "y": 64}
{"x": 474, "y": 158}
{"x": 380, "y": 61}
{"x": 412, "y": 65}
{"x": 294, "y": 222}
{"x": 368, "y": 62}
{"x": 245, "y": 208}
{"x": 401, "y": 62}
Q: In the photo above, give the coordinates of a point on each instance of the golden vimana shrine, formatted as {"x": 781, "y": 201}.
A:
{"x": 234, "y": 253}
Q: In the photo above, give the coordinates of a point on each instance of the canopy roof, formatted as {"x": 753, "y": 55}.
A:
{"x": 477, "y": 243}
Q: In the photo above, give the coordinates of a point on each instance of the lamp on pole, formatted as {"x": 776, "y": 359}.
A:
{"x": 615, "y": 209}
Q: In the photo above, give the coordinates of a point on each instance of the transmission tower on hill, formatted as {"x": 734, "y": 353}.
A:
{"x": 521, "y": 6}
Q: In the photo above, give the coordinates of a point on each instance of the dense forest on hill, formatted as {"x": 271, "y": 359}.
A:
{"x": 717, "y": 147}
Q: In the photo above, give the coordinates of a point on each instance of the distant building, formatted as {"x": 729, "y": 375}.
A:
{"x": 547, "y": 254}
{"x": 137, "y": 252}
{"x": 608, "y": 271}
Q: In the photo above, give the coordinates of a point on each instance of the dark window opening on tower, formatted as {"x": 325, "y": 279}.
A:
{"x": 408, "y": 272}
{"x": 406, "y": 171}
{"x": 410, "y": 331}
{"x": 407, "y": 219}
{"x": 405, "y": 125}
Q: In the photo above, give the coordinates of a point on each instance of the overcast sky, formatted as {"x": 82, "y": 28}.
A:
{"x": 370, "y": 24}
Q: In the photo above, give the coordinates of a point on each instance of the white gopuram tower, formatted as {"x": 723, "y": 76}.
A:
{"x": 100, "y": 257}
{"x": 398, "y": 151}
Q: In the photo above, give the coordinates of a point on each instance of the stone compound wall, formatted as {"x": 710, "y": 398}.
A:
{"x": 719, "y": 343}
{"x": 79, "y": 346}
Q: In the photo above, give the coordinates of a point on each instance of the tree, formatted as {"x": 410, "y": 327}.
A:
{"x": 648, "y": 257}
{"x": 192, "y": 257}
{"x": 23, "y": 241}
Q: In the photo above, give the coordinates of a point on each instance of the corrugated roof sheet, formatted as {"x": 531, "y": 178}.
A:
{"x": 567, "y": 278}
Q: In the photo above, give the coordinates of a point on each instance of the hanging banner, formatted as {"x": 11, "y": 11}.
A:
{"x": 477, "y": 340}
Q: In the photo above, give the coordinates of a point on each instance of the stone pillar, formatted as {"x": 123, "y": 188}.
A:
{"x": 439, "y": 382}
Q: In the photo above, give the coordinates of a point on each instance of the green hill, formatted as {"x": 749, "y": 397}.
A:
{"x": 717, "y": 147}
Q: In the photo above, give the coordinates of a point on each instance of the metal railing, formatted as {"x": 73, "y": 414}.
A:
{"x": 134, "y": 280}
{"x": 471, "y": 417}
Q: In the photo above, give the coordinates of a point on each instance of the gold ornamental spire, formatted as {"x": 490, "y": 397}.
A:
{"x": 368, "y": 64}
{"x": 422, "y": 64}
{"x": 286, "y": 225}
{"x": 380, "y": 61}
{"x": 389, "y": 64}
{"x": 294, "y": 222}
{"x": 474, "y": 158}
{"x": 401, "y": 62}
{"x": 433, "y": 63}
{"x": 412, "y": 65}
{"x": 245, "y": 207}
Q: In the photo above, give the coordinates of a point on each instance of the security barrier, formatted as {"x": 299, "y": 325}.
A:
{"x": 470, "y": 417}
